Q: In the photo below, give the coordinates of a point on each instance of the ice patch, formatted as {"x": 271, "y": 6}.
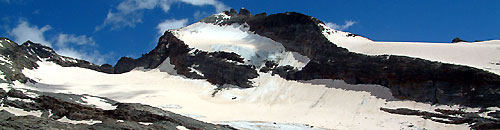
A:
{"x": 181, "y": 128}
{"x": 145, "y": 123}
{"x": 88, "y": 122}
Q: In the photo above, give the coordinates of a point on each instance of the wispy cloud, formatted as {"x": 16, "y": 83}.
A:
{"x": 63, "y": 40}
{"x": 130, "y": 12}
{"x": 171, "y": 24}
{"x": 93, "y": 56}
{"x": 65, "y": 44}
{"x": 219, "y": 6}
{"x": 24, "y": 32}
{"x": 340, "y": 27}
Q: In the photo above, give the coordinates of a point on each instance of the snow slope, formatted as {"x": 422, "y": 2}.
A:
{"x": 236, "y": 38}
{"x": 275, "y": 100}
{"x": 483, "y": 55}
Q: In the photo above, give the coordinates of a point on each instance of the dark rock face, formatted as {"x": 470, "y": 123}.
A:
{"x": 217, "y": 67}
{"x": 455, "y": 40}
{"x": 149, "y": 60}
{"x": 451, "y": 117}
{"x": 67, "y": 105}
{"x": 16, "y": 59}
{"x": 408, "y": 78}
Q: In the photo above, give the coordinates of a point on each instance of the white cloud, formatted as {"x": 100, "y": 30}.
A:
{"x": 200, "y": 14}
{"x": 219, "y": 6}
{"x": 63, "y": 42}
{"x": 171, "y": 24}
{"x": 93, "y": 57}
{"x": 63, "y": 39}
{"x": 24, "y": 32}
{"x": 130, "y": 12}
{"x": 340, "y": 27}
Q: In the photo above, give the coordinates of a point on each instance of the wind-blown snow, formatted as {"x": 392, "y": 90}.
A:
{"x": 236, "y": 38}
{"x": 274, "y": 100}
{"x": 483, "y": 55}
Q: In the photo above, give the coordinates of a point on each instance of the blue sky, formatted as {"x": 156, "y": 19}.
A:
{"x": 104, "y": 30}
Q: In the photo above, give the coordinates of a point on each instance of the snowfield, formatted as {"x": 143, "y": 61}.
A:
{"x": 483, "y": 55}
{"x": 236, "y": 38}
{"x": 336, "y": 106}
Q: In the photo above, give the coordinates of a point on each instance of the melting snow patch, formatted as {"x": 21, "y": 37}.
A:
{"x": 21, "y": 112}
{"x": 5, "y": 86}
{"x": 88, "y": 122}
{"x": 19, "y": 99}
{"x": 97, "y": 102}
{"x": 181, "y": 128}
{"x": 145, "y": 123}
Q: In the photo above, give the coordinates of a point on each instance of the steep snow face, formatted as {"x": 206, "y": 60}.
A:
{"x": 482, "y": 55}
{"x": 335, "y": 106}
{"x": 236, "y": 38}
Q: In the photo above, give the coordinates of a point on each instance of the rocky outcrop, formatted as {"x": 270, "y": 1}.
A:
{"x": 37, "y": 50}
{"x": 408, "y": 78}
{"x": 13, "y": 60}
{"x": 455, "y": 40}
{"x": 218, "y": 68}
{"x": 452, "y": 117}
{"x": 56, "y": 106}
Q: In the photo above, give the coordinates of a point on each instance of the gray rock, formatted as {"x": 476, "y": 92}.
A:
{"x": 450, "y": 117}
{"x": 69, "y": 105}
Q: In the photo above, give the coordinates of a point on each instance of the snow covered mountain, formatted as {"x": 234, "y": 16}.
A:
{"x": 244, "y": 71}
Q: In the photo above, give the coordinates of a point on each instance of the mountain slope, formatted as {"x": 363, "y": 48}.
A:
{"x": 276, "y": 71}
{"x": 25, "y": 107}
